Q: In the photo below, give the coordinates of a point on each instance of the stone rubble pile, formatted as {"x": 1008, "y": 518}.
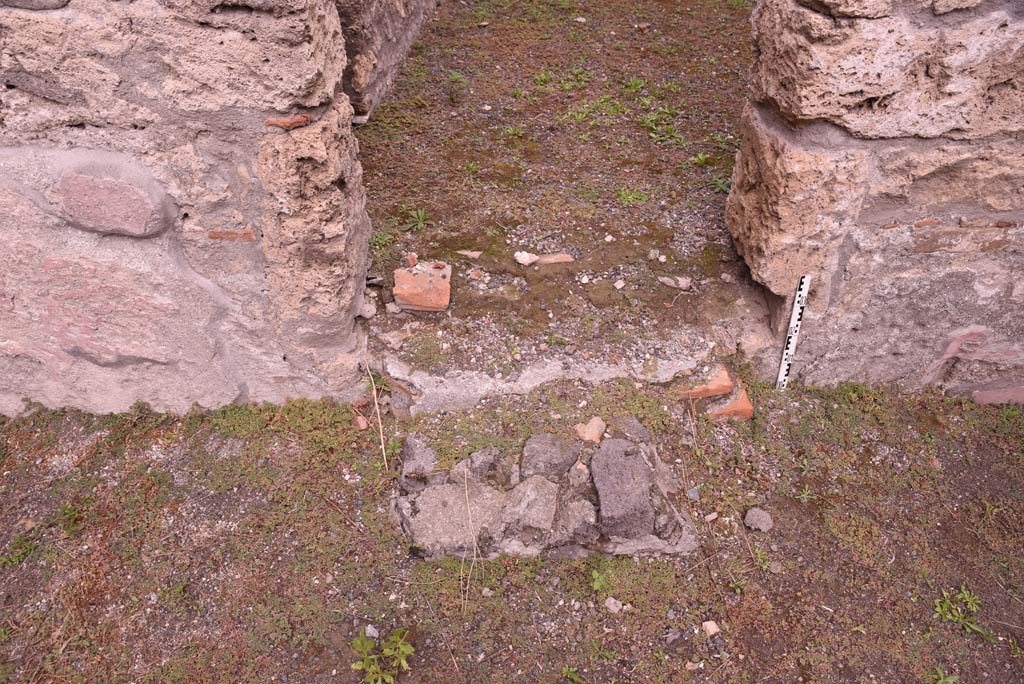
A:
{"x": 555, "y": 496}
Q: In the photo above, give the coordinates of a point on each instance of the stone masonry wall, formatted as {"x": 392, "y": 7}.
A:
{"x": 378, "y": 35}
{"x": 181, "y": 210}
{"x": 883, "y": 153}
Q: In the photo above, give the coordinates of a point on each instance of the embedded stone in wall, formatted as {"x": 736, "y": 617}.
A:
{"x": 110, "y": 206}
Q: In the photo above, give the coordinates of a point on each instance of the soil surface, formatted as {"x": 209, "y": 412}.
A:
{"x": 255, "y": 543}
{"x": 606, "y": 131}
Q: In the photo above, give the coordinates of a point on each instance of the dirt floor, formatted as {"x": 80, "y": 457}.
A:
{"x": 515, "y": 126}
{"x": 255, "y": 544}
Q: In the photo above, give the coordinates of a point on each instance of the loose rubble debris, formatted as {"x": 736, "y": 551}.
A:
{"x": 592, "y": 430}
{"x": 738, "y": 406}
{"x": 423, "y": 286}
{"x": 758, "y": 519}
{"x": 529, "y": 259}
{"x": 678, "y": 282}
{"x": 525, "y": 258}
{"x": 717, "y": 385}
{"x": 546, "y": 499}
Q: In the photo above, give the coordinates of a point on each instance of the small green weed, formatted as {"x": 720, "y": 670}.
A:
{"x": 19, "y": 551}
{"x": 383, "y": 665}
{"x": 701, "y": 159}
{"x": 455, "y": 87}
{"x": 599, "y": 580}
{"x": 630, "y": 198}
{"x": 70, "y": 519}
{"x": 961, "y": 608}
{"x": 634, "y": 85}
{"x": 381, "y": 240}
{"x": 939, "y": 676}
{"x": 720, "y": 185}
{"x": 543, "y": 78}
{"x": 571, "y": 674}
{"x": 416, "y": 220}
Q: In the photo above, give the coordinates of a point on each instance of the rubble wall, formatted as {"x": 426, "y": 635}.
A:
{"x": 181, "y": 208}
{"x": 883, "y": 154}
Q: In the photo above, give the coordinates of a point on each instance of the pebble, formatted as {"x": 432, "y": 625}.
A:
{"x": 728, "y": 278}
{"x": 619, "y": 284}
{"x": 525, "y": 258}
{"x": 362, "y": 423}
{"x": 584, "y": 279}
{"x": 672, "y": 636}
{"x": 372, "y": 632}
{"x": 711, "y": 517}
{"x": 758, "y": 519}
{"x": 487, "y": 593}
{"x": 693, "y": 494}
{"x": 392, "y": 308}
{"x": 580, "y": 20}
{"x": 710, "y": 628}
{"x": 613, "y": 604}
{"x": 775, "y": 567}
{"x": 609, "y": 238}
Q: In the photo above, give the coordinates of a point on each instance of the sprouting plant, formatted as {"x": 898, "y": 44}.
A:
{"x": 543, "y": 78}
{"x": 806, "y": 496}
{"x": 512, "y": 132}
{"x": 576, "y": 78}
{"x": 369, "y": 661}
{"x": 939, "y": 676}
{"x": 397, "y": 649}
{"x": 456, "y": 86}
{"x": 701, "y": 159}
{"x": 381, "y": 240}
{"x": 634, "y": 85}
{"x": 599, "y": 580}
{"x": 471, "y": 168}
{"x": 383, "y": 665}
{"x": 375, "y": 379}
{"x": 720, "y": 184}
{"x": 571, "y": 674}
{"x": 417, "y": 220}
{"x": 761, "y": 558}
{"x": 961, "y": 608}
{"x": 20, "y": 549}
{"x": 629, "y": 198}
{"x": 71, "y": 519}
